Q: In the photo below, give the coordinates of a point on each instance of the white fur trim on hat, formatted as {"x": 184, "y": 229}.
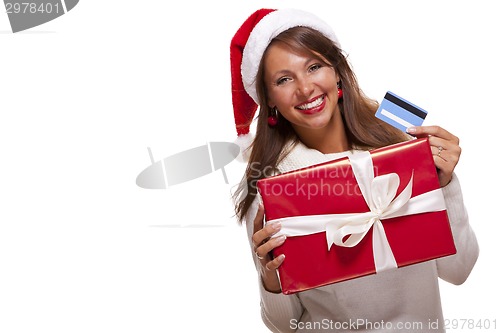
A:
{"x": 244, "y": 142}
{"x": 266, "y": 30}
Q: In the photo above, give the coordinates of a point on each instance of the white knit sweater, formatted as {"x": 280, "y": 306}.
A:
{"x": 402, "y": 300}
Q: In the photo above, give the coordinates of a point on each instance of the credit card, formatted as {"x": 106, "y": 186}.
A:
{"x": 400, "y": 113}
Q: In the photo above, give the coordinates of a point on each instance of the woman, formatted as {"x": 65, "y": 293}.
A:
{"x": 290, "y": 63}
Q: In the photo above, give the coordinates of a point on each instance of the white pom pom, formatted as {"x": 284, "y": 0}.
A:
{"x": 244, "y": 141}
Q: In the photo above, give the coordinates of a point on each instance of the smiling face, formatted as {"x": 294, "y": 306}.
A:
{"x": 303, "y": 88}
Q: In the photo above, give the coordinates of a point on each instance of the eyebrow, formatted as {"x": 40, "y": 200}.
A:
{"x": 287, "y": 71}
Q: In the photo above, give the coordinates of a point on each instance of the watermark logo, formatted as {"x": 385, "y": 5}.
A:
{"x": 188, "y": 165}
{"x": 26, "y": 14}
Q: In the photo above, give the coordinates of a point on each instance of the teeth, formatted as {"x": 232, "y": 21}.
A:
{"x": 312, "y": 104}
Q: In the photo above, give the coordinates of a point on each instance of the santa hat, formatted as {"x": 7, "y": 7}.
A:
{"x": 247, "y": 48}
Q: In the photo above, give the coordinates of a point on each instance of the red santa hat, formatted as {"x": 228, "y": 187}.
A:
{"x": 247, "y": 48}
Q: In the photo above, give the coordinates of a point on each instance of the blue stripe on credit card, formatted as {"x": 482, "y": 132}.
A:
{"x": 400, "y": 113}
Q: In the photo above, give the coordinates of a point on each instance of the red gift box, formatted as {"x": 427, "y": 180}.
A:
{"x": 358, "y": 215}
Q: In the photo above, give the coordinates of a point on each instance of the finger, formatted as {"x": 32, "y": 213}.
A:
{"x": 428, "y": 130}
{"x": 436, "y": 142}
{"x": 439, "y": 151}
{"x": 258, "y": 221}
{"x": 422, "y": 131}
{"x": 445, "y": 170}
{"x": 264, "y": 250}
{"x": 445, "y": 162}
{"x": 275, "y": 263}
{"x": 451, "y": 146}
{"x": 264, "y": 233}
{"x": 445, "y": 150}
{"x": 258, "y": 224}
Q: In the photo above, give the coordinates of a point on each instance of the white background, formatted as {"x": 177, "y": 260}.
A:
{"x": 83, "y": 249}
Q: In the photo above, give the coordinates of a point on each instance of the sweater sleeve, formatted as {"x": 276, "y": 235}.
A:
{"x": 277, "y": 310}
{"x": 456, "y": 268}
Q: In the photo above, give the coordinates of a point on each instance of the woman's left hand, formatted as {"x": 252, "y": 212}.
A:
{"x": 445, "y": 149}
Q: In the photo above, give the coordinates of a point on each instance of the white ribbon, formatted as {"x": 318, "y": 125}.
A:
{"x": 380, "y": 195}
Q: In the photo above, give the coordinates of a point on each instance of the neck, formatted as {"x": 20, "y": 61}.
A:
{"x": 330, "y": 139}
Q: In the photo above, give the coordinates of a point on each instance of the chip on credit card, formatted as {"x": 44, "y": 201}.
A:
{"x": 400, "y": 113}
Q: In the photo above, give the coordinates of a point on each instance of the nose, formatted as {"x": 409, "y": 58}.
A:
{"x": 304, "y": 87}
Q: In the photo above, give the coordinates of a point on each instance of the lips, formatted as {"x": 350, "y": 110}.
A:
{"x": 314, "y": 105}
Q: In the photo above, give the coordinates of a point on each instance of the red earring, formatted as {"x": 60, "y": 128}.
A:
{"x": 339, "y": 90}
{"x": 272, "y": 120}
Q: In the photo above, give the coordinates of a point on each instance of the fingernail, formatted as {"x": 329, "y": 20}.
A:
{"x": 276, "y": 226}
{"x": 281, "y": 257}
{"x": 411, "y": 130}
{"x": 280, "y": 239}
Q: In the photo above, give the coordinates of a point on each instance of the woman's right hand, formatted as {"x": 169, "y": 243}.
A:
{"x": 263, "y": 244}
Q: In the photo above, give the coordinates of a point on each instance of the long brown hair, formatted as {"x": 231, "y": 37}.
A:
{"x": 363, "y": 129}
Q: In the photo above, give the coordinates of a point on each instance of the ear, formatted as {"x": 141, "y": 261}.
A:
{"x": 270, "y": 104}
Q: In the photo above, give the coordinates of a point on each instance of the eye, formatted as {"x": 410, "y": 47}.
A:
{"x": 315, "y": 67}
{"x": 282, "y": 80}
